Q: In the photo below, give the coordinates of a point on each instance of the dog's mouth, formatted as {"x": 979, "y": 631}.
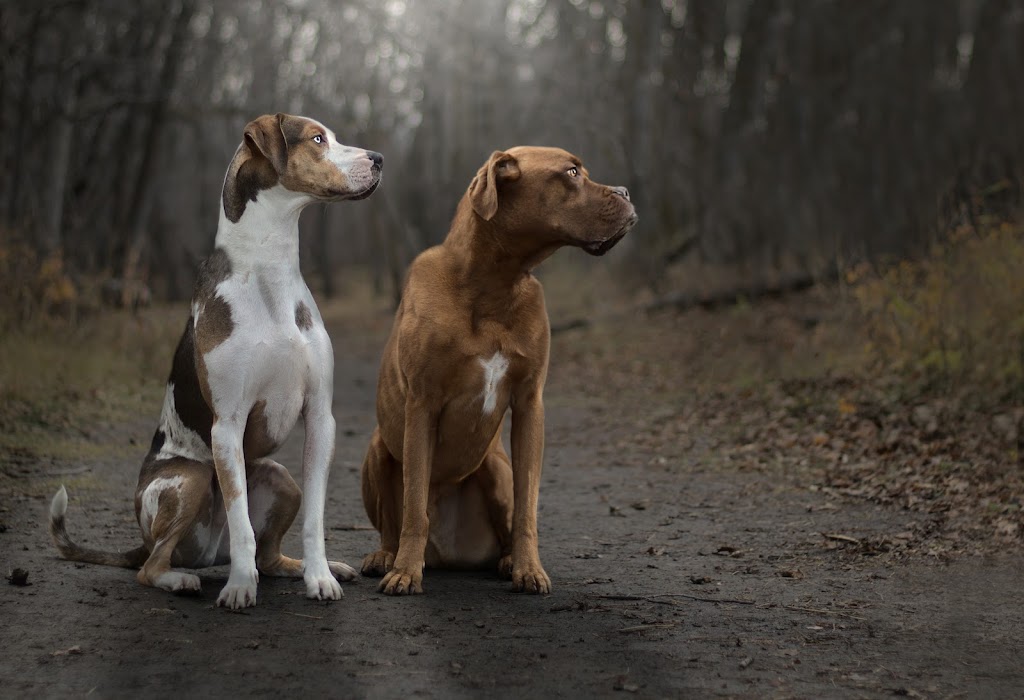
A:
{"x": 340, "y": 196}
{"x": 363, "y": 194}
{"x": 601, "y": 247}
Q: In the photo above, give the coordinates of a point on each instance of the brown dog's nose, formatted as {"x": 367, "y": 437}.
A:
{"x": 378, "y": 160}
{"x": 622, "y": 192}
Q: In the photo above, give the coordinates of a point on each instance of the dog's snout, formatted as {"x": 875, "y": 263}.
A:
{"x": 376, "y": 158}
{"x": 622, "y": 192}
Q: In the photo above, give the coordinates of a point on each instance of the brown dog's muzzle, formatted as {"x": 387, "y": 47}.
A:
{"x": 600, "y": 247}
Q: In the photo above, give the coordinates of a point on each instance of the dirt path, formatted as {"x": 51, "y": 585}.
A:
{"x": 673, "y": 578}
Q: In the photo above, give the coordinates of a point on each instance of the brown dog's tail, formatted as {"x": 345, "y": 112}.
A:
{"x": 69, "y": 550}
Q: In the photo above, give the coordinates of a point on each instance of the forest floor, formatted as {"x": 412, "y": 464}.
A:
{"x": 728, "y": 509}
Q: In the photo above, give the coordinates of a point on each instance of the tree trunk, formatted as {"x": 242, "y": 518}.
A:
{"x": 139, "y": 203}
{"x": 24, "y": 111}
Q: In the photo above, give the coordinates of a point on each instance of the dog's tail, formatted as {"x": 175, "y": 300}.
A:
{"x": 69, "y": 550}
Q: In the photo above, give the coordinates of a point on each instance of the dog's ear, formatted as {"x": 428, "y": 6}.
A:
{"x": 264, "y": 136}
{"x": 500, "y": 168}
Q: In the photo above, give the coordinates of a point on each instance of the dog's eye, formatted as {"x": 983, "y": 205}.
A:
{"x": 573, "y": 172}
{"x": 318, "y": 139}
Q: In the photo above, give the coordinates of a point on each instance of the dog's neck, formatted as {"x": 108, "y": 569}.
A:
{"x": 267, "y": 233}
{"x": 487, "y": 256}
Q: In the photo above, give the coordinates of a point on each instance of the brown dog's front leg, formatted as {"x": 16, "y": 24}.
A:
{"x": 382, "y": 497}
{"x": 495, "y": 479}
{"x": 406, "y": 576}
{"x": 527, "y": 458}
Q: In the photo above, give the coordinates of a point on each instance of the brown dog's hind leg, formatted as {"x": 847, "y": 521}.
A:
{"x": 382, "y": 498}
{"x": 274, "y": 500}
{"x": 180, "y": 501}
{"x": 495, "y": 479}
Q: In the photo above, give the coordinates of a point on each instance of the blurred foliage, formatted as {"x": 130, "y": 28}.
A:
{"x": 66, "y": 376}
{"x": 956, "y": 315}
{"x": 34, "y": 285}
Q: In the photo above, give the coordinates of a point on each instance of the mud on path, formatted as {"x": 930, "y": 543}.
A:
{"x": 674, "y": 576}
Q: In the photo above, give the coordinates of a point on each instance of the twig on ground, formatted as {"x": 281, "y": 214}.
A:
{"x": 819, "y": 611}
{"x": 311, "y": 617}
{"x": 652, "y": 625}
{"x": 840, "y": 538}
{"x": 69, "y": 472}
{"x": 650, "y": 598}
{"x": 352, "y": 527}
{"x": 637, "y": 598}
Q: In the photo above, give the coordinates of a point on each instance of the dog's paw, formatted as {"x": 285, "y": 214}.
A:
{"x": 237, "y": 596}
{"x": 342, "y": 571}
{"x": 326, "y": 588}
{"x": 378, "y": 563}
{"x": 402, "y": 582}
{"x": 177, "y": 582}
{"x": 505, "y": 567}
{"x": 531, "y": 579}
{"x": 320, "y": 582}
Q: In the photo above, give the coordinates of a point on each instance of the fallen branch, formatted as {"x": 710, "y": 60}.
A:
{"x": 682, "y": 301}
{"x": 728, "y": 297}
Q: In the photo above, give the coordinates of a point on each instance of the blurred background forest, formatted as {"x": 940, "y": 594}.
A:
{"x": 827, "y": 279}
{"x": 774, "y": 138}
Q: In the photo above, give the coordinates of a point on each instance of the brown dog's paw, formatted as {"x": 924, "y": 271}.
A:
{"x": 402, "y": 582}
{"x": 531, "y": 579}
{"x": 378, "y": 563}
{"x": 505, "y": 567}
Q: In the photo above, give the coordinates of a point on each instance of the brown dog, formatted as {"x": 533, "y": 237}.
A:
{"x": 470, "y": 340}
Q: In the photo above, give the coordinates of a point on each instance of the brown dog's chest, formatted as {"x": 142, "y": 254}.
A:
{"x": 475, "y": 404}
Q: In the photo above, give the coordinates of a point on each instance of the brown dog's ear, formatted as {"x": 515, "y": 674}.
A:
{"x": 265, "y": 137}
{"x": 483, "y": 191}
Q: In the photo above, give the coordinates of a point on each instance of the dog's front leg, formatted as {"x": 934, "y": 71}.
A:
{"x": 527, "y": 457}
{"x": 316, "y": 464}
{"x": 228, "y": 458}
{"x": 406, "y": 576}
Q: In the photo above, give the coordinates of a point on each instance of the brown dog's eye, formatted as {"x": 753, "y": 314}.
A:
{"x": 318, "y": 139}
{"x": 573, "y": 172}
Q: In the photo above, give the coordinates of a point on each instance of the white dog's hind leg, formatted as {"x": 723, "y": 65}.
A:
{"x": 170, "y": 508}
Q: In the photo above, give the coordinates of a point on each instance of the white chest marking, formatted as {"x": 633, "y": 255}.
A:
{"x": 494, "y": 371}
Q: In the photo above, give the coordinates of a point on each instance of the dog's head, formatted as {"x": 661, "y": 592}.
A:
{"x": 547, "y": 194}
{"x": 303, "y": 156}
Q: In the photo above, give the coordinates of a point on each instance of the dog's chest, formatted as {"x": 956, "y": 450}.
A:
{"x": 277, "y": 348}
{"x": 481, "y": 387}
{"x": 494, "y": 371}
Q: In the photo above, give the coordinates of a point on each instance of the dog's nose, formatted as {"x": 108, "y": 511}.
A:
{"x": 622, "y": 192}
{"x": 376, "y": 158}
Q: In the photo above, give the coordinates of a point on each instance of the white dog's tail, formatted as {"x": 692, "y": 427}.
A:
{"x": 69, "y": 550}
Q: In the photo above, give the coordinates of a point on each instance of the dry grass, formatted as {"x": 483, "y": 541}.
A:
{"x": 954, "y": 318}
{"x": 61, "y": 383}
